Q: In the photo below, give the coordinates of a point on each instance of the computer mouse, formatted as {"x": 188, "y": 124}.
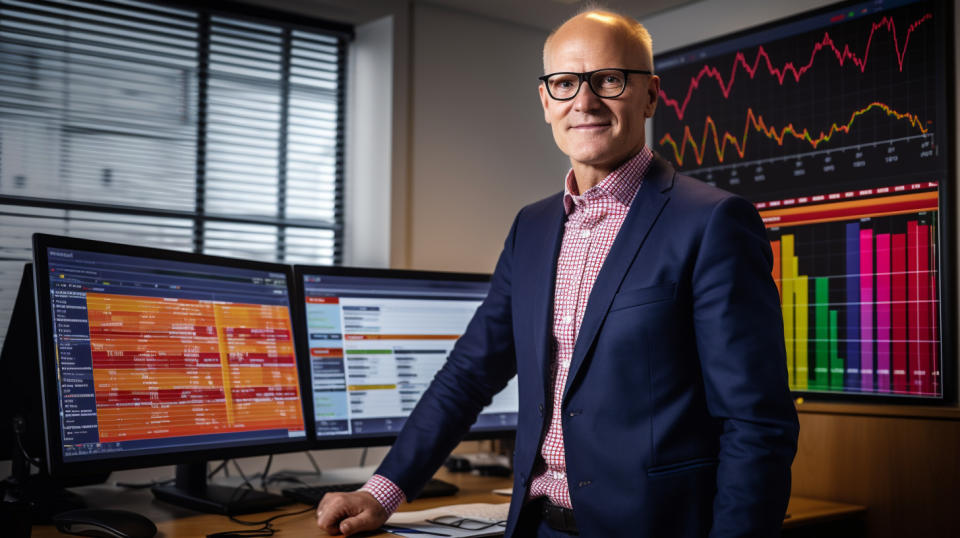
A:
{"x": 105, "y": 523}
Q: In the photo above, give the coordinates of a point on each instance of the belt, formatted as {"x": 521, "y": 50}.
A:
{"x": 558, "y": 518}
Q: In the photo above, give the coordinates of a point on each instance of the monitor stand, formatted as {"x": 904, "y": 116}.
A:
{"x": 191, "y": 490}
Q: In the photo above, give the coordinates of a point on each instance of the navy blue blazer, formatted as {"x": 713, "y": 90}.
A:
{"x": 677, "y": 418}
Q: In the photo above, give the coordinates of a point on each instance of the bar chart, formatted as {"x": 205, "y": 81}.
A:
{"x": 860, "y": 293}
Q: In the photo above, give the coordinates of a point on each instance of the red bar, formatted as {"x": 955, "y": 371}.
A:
{"x": 899, "y": 298}
{"x": 281, "y": 335}
{"x": 923, "y": 309}
{"x": 151, "y": 359}
{"x": 327, "y": 352}
{"x": 323, "y": 300}
{"x": 261, "y": 359}
{"x": 264, "y": 393}
{"x": 117, "y": 398}
{"x": 934, "y": 329}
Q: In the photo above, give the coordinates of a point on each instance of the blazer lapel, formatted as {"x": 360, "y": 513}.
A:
{"x": 646, "y": 207}
{"x": 545, "y": 264}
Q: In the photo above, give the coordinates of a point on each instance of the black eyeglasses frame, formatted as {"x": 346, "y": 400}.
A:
{"x": 585, "y": 77}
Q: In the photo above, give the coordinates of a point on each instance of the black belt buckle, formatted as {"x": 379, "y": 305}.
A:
{"x": 558, "y": 518}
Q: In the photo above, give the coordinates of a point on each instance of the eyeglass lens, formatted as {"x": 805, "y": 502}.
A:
{"x": 606, "y": 83}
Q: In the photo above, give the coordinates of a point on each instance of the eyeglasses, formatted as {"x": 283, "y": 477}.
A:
{"x": 605, "y": 83}
{"x": 466, "y": 524}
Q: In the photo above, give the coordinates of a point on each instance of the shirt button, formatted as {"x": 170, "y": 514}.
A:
{"x": 585, "y": 233}
{"x": 566, "y": 320}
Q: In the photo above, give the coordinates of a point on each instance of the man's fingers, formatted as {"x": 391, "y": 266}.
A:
{"x": 333, "y": 508}
{"x": 348, "y": 513}
{"x": 364, "y": 521}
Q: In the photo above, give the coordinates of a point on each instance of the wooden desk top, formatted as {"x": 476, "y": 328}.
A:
{"x": 179, "y": 522}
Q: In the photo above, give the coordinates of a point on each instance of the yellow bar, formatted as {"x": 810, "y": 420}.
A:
{"x": 801, "y": 292}
{"x": 224, "y": 362}
{"x": 371, "y": 387}
{"x": 787, "y": 266}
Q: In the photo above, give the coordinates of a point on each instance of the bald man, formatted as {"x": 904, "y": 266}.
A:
{"x": 638, "y": 311}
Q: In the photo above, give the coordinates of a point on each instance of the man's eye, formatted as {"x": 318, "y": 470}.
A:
{"x": 612, "y": 80}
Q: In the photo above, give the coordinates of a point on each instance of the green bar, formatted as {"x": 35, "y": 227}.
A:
{"x": 368, "y": 351}
{"x": 836, "y": 363}
{"x": 821, "y": 359}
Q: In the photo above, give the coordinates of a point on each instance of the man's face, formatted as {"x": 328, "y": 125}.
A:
{"x": 597, "y": 132}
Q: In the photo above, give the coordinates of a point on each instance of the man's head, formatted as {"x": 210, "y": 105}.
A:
{"x": 593, "y": 131}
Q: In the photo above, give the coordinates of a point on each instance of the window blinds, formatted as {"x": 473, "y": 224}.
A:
{"x": 168, "y": 126}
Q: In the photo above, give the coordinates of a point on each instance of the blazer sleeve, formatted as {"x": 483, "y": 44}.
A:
{"x": 739, "y": 335}
{"x": 480, "y": 365}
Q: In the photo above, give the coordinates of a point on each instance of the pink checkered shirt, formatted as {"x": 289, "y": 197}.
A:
{"x": 593, "y": 221}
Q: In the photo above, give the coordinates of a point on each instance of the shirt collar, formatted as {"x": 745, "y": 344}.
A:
{"x": 622, "y": 184}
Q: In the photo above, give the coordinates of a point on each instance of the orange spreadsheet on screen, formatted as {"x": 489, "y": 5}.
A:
{"x": 167, "y": 367}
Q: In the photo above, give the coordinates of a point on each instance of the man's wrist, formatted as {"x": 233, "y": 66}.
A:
{"x": 388, "y": 494}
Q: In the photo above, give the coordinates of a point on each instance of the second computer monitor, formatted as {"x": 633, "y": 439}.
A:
{"x": 375, "y": 340}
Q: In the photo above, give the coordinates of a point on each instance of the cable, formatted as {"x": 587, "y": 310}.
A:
{"x": 19, "y": 425}
{"x": 314, "y": 462}
{"x": 266, "y": 529}
{"x": 223, "y": 466}
{"x": 363, "y": 457}
{"x": 266, "y": 472}
{"x": 246, "y": 482}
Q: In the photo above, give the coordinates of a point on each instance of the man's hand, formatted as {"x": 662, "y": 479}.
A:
{"x": 349, "y": 513}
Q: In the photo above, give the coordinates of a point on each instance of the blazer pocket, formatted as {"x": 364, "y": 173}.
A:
{"x": 679, "y": 467}
{"x": 640, "y": 296}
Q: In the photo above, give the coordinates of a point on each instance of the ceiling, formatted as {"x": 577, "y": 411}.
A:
{"x": 542, "y": 14}
{"x": 548, "y": 14}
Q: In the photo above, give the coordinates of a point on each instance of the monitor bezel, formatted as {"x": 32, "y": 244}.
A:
{"x": 949, "y": 374}
{"x": 55, "y": 463}
{"x": 300, "y": 271}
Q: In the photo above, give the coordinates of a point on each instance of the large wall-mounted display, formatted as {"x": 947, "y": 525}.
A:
{"x": 837, "y": 124}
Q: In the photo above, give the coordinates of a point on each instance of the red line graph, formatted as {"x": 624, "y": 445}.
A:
{"x": 757, "y": 123}
{"x": 781, "y": 73}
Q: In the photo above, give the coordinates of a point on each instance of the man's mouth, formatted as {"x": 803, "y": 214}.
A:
{"x": 591, "y": 126}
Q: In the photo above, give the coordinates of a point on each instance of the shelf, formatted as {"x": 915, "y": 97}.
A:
{"x": 880, "y": 410}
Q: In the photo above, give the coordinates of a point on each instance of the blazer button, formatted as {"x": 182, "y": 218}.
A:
{"x": 540, "y": 409}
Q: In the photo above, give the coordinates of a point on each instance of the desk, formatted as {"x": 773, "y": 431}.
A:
{"x": 808, "y": 517}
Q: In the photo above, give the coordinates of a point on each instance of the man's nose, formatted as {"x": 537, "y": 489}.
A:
{"x": 585, "y": 99}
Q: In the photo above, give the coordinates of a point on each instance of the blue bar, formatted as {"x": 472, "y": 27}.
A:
{"x": 851, "y": 378}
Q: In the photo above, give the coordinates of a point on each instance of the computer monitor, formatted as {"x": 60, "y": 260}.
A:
{"x": 375, "y": 338}
{"x": 154, "y": 357}
{"x": 839, "y": 125}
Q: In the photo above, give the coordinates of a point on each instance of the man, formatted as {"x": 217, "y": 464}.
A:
{"x": 638, "y": 312}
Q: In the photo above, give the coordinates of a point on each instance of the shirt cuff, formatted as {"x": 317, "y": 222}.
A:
{"x": 388, "y": 494}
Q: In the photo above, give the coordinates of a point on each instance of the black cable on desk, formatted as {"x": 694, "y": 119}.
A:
{"x": 266, "y": 529}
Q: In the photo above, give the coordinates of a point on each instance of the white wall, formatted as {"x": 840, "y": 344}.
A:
{"x": 480, "y": 148}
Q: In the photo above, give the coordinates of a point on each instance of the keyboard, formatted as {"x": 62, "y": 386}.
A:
{"x": 313, "y": 494}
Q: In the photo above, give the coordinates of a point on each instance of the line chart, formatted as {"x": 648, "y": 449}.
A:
{"x": 827, "y": 43}
{"x": 755, "y": 122}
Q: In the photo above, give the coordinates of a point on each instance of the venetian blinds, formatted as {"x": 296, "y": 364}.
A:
{"x": 143, "y": 123}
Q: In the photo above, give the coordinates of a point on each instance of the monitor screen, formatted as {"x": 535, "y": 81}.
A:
{"x": 837, "y": 124}
{"x": 149, "y": 352}
{"x": 377, "y": 337}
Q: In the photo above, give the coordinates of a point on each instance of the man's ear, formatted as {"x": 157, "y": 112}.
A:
{"x": 545, "y": 101}
{"x": 653, "y": 94}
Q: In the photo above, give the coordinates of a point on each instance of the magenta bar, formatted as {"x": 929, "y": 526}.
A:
{"x": 884, "y": 289}
{"x": 866, "y": 310}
